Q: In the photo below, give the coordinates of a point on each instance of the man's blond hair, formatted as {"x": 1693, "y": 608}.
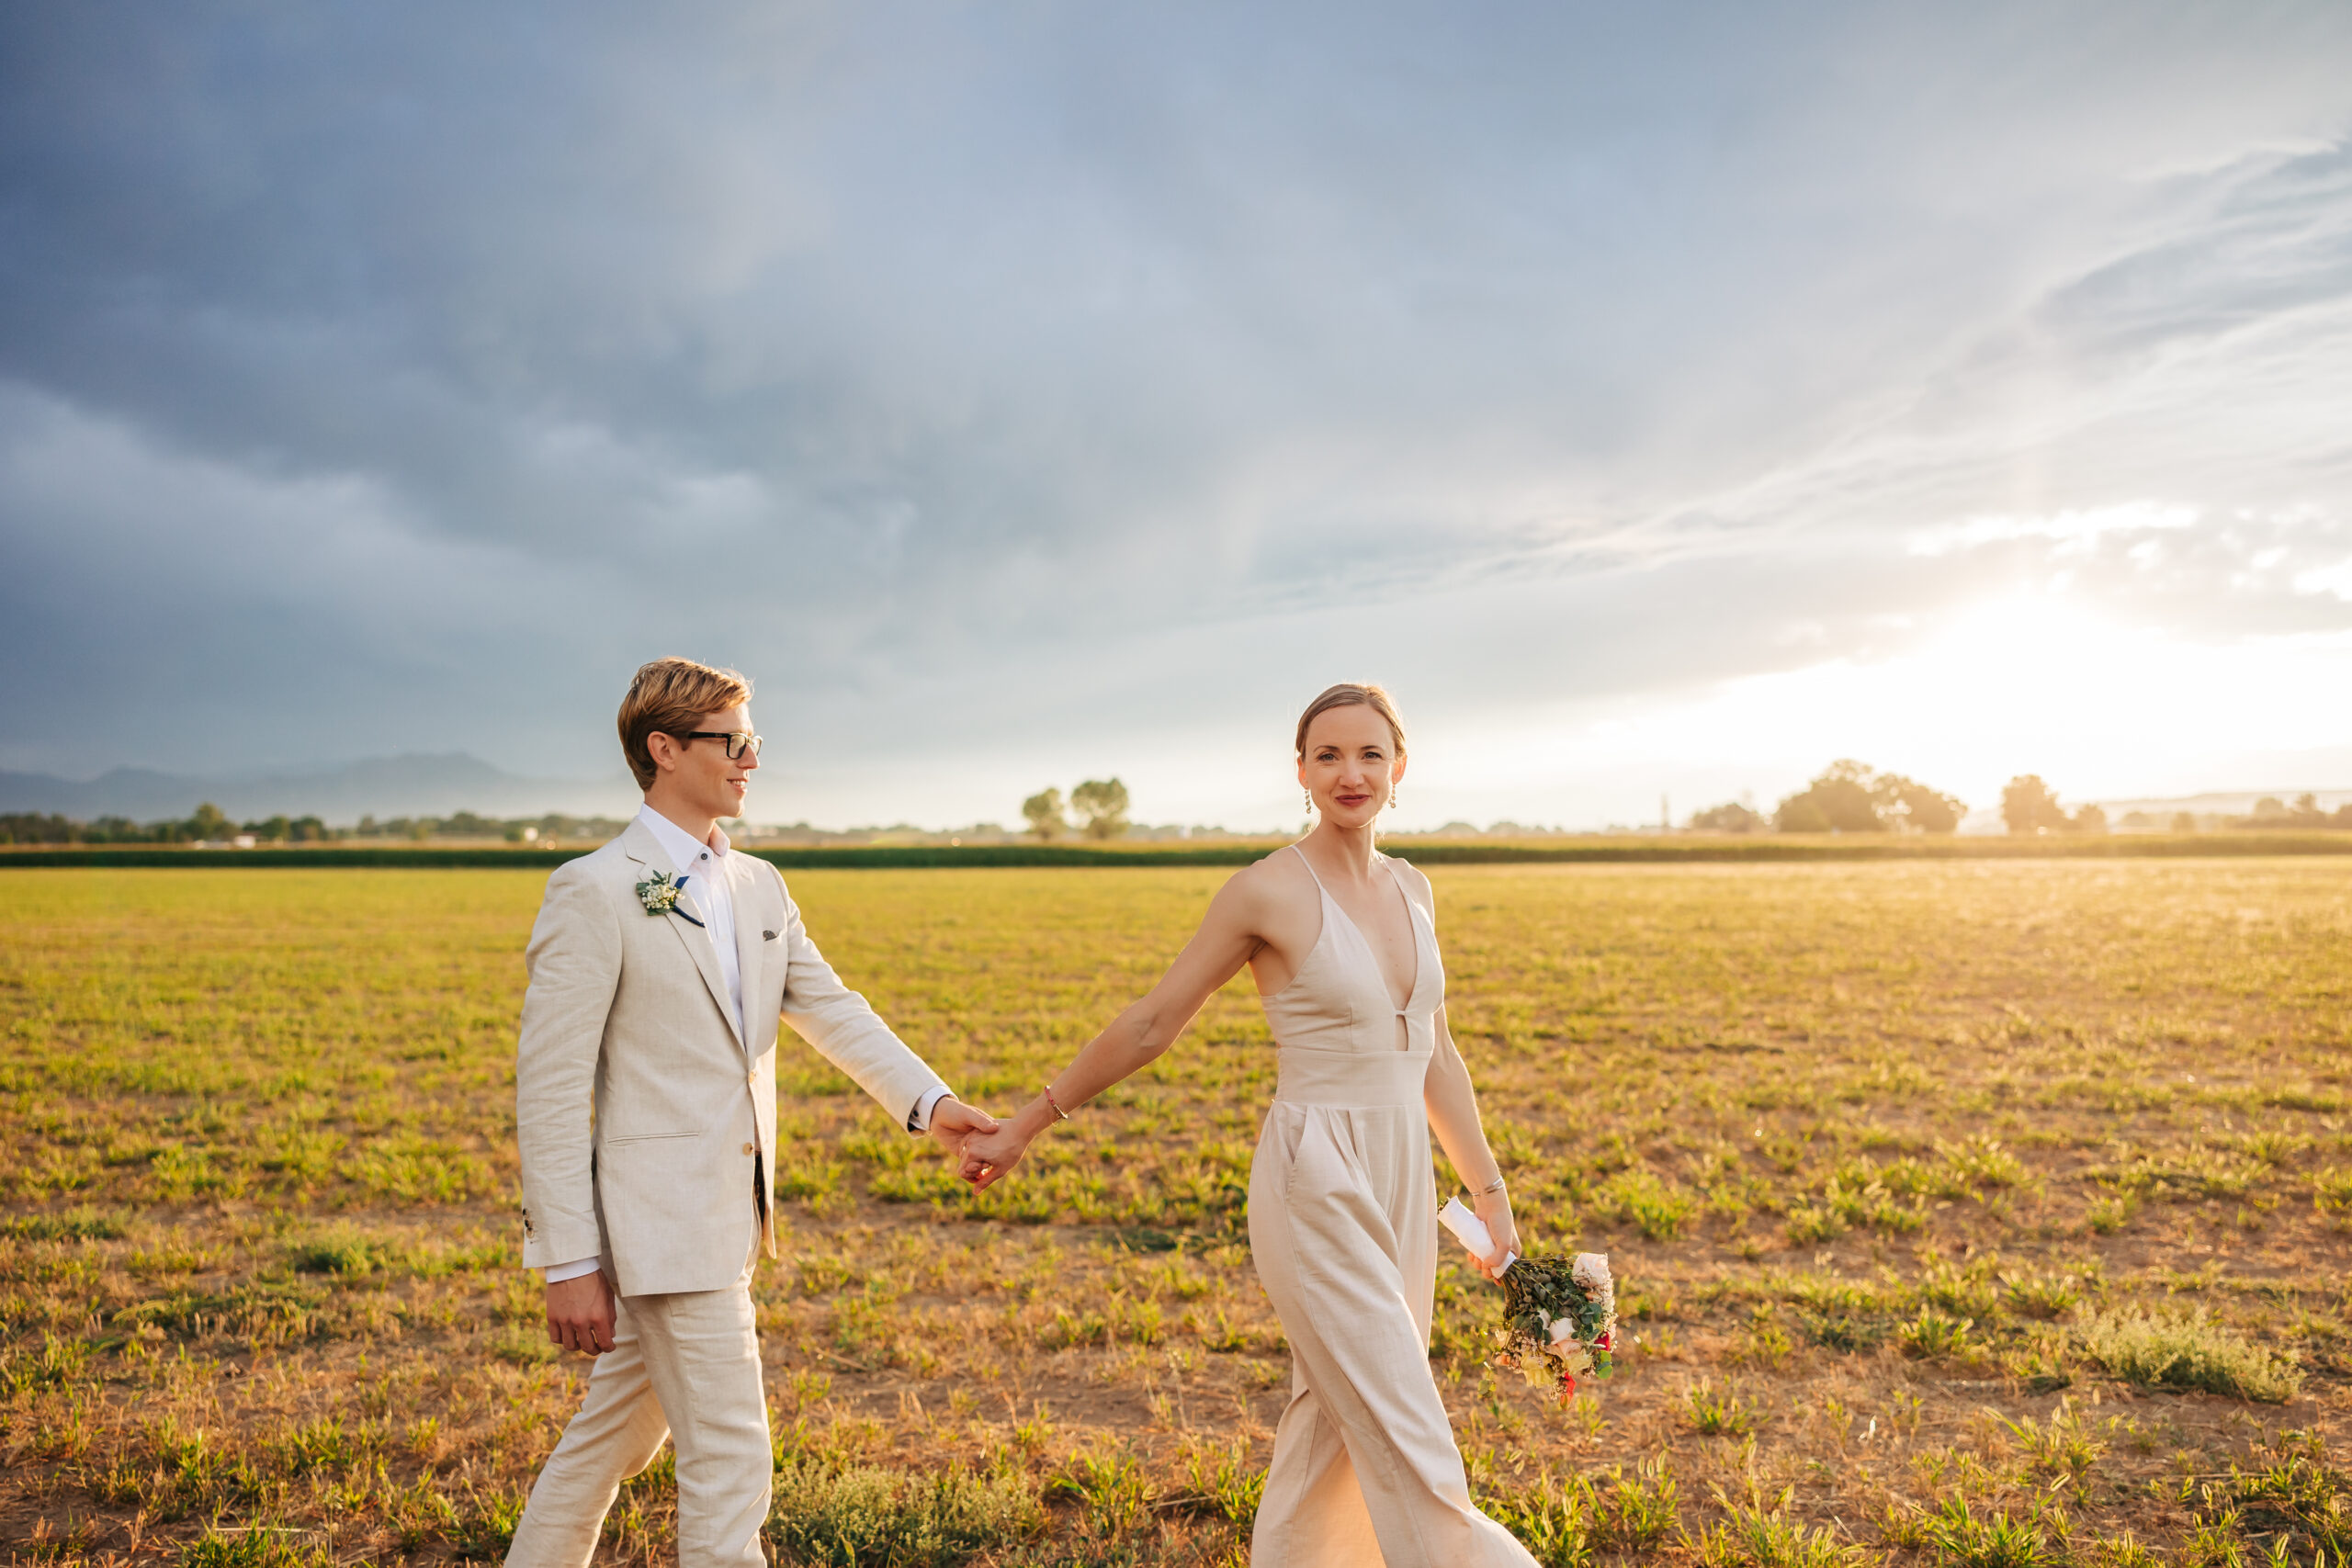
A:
{"x": 670, "y": 697}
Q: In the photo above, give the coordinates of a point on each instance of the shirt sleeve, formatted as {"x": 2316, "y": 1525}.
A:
{"x": 921, "y": 1121}
{"x": 558, "y": 1273}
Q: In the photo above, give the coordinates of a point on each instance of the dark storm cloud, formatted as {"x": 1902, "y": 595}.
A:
{"x": 957, "y": 369}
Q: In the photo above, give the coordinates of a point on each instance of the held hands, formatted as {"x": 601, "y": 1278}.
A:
{"x": 580, "y": 1314}
{"x": 953, "y": 1122}
{"x": 1494, "y": 1209}
{"x": 988, "y": 1156}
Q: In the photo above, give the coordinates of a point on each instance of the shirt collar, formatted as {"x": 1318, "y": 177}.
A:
{"x": 685, "y": 855}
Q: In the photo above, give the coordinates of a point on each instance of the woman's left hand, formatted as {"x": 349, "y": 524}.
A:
{"x": 988, "y": 1155}
{"x": 1494, "y": 1208}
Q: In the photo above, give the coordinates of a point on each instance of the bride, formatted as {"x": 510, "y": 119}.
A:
{"x": 1343, "y": 943}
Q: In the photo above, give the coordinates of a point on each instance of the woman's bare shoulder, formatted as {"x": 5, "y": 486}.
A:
{"x": 1278, "y": 875}
{"x": 1416, "y": 883}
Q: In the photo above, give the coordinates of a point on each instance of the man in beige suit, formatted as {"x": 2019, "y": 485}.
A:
{"x": 645, "y": 1106}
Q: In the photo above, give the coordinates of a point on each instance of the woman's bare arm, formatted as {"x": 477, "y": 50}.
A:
{"x": 1452, "y": 1106}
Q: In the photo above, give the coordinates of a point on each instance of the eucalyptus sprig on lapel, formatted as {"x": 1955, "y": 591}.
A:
{"x": 660, "y": 895}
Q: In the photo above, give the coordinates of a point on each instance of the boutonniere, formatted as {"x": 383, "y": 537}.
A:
{"x": 660, "y": 895}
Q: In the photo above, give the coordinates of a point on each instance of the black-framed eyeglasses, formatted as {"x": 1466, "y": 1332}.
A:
{"x": 738, "y": 740}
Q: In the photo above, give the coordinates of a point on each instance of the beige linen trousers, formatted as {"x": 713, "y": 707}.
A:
{"x": 1343, "y": 1229}
{"x": 647, "y": 1124}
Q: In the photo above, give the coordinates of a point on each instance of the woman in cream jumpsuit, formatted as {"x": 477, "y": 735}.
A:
{"x": 1342, "y": 1218}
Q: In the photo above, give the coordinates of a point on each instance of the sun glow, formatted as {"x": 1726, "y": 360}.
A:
{"x": 2027, "y": 683}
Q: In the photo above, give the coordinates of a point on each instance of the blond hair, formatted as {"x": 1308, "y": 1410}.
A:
{"x": 1350, "y": 694}
{"x": 667, "y": 697}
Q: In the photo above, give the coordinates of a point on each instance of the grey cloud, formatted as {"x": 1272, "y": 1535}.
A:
{"x": 999, "y": 357}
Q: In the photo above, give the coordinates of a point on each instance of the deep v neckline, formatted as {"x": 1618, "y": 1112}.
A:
{"x": 1371, "y": 953}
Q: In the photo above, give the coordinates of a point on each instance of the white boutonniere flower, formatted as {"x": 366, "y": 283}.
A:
{"x": 659, "y": 894}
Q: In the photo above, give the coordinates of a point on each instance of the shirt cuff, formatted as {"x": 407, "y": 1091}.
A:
{"x": 557, "y": 1273}
{"x": 920, "y": 1122}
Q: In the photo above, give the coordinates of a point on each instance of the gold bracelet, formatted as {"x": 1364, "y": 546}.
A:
{"x": 1059, "y": 1114}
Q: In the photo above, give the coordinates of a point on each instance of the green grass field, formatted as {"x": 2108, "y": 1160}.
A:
{"x": 1989, "y": 1212}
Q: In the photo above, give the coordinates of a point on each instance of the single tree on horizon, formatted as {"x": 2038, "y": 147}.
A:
{"x": 1044, "y": 810}
{"x": 1101, "y": 806}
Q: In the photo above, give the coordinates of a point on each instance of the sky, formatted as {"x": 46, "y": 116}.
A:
{"x": 1663, "y": 401}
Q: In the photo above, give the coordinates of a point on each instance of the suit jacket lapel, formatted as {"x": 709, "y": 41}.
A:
{"x": 638, "y": 843}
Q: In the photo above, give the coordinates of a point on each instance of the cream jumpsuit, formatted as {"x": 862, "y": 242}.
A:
{"x": 1343, "y": 1228}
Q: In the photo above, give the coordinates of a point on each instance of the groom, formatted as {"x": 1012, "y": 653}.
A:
{"x": 645, "y": 1106}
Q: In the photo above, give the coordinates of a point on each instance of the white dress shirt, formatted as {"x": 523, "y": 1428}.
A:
{"x": 706, "y": 893}
{"x": 706, "y": 896}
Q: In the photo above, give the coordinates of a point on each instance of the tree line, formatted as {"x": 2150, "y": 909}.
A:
{"x": 1847, "y": 797}
{"x": 1853, "y": 797}
{"x": 1099, "y": 804}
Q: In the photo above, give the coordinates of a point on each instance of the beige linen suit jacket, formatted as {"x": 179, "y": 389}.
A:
{"x": 642, "y": 1113}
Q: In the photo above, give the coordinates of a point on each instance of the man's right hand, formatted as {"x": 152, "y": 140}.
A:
{"x": 580, "y": 1314}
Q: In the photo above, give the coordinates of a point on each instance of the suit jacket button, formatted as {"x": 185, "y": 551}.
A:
{"x": 748, "y": 1149}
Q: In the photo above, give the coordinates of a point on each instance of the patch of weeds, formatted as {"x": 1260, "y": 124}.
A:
{"x": 1226, "y": 1485}
{"x": 864, "y": 1516}
{"x": 2332, "y": 1194}
{"x": 2108, "y": 1215}
{"x": 1981, "y": 1161}
{"x": 2062, "y": 1448}
{"x": 1146, "y": 1238}
{"x": 2184, "y": 1175}
{"x": 1658, "y": 1211}
{"x": 525, "y": 1346}
{"x": 1112, "y": 1490}
{"x": 267, "y": 1311}
{"x": 1717, "y": 1412}
{"x": 809, "y": 1181}
{"x": 1960, "y": 1538}
{"x": 1844, "y": 1331}
{"x": 1754, "y": 1538}
{"x": 75, "y": 1225}
{"x": 1937, "y": 1337}
{"x": 342, "y": 1254}
{"x": 59, "y": 1363}
{"x": 1553, "y": 1518}
{"x": 1967, "y": 1292}
{"x": 1639, "y": 1514}
{"x": 1765, "y": 1343}
{"x": 2296, "y": 1494}
{"x": 2044, "y": 1296}
{"x": 257, "y": 1546}
{"x": 2192, "y": 1351}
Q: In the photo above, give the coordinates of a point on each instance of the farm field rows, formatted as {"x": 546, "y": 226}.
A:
{"x": 1979, "y": 1212}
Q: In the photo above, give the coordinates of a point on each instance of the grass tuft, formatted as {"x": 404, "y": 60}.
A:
{"x": 1753, "y": 1538}
{"x": 2192, "y": 1351}
{"x": 866, "y": 1517}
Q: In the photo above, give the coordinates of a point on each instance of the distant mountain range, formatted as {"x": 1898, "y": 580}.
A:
{"x": 376, "y": 787}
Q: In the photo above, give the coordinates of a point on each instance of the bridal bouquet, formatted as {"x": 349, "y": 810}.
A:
{"x": 1559, "y": 1315}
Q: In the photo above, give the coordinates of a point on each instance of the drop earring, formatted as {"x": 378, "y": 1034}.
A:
{"x": 1309, "y": 796}
{"x": 1392, "y": 799}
